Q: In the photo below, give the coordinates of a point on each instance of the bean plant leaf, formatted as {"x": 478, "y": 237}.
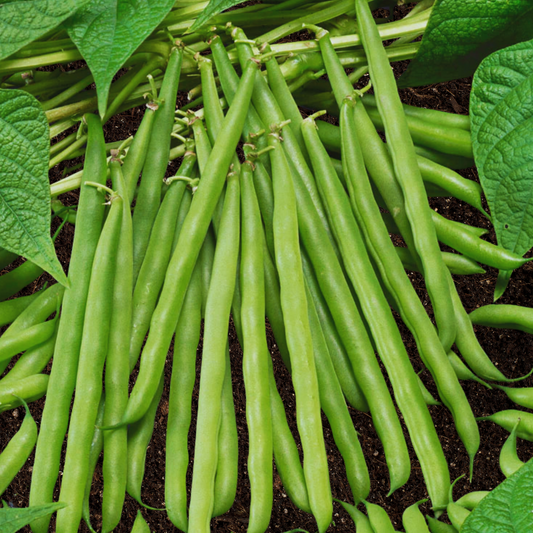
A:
{"x": 460, "y": 33}
{"x": 508, "y": 508}
{"x": 25, "y": 212}
{"x": 23, "y": 21}
{"x": 13, "y": 519}
{"x": 107, "y": 32}
{"x": 501, "y": 110}
{"x": 214, "y": 8}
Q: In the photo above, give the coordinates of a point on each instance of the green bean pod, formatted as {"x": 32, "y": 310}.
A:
{"x": 6, "y": 258}
{"x": 32, "y": 361}
{"x": 117, "y": 365}
{"x": 378, "y": 518}
{"x": 361, "y": 522}
{"x": 54, "y": 421}
{"x": 299, "y": 341}
{"x": 509, "y": 460}
{"x": 255, "y": 357}
{"x": 213, "y": 369}
{"x": 504, "y": 316}
{"x": 179, "y": 403}
{"x": 29, "y": 389}
{"x": 11, "y": 309}
{"x": 166, "y": 314}
{"x": 508, "y": 418}
{"x": 18, "y": 278}
{"x": 151, "y": 276}
{"x": 334, "y": 407}
{"x": 33, "y": 336}
{"x": 411, "y": 309}
{"x": 439, "y": 527}
{"x": 413, "y": 520}
{"x": 18, "y": 449}
{"x": 522, "y": 396}
{"x": 428, "y": 398}
{"x": 140, "y": 525}
{"x": 228, "y": 449}
{"x": 156, "y": 162}
{"x": 471, "y": 499}
{"x": 139, "y": 436}
{"x": 408, "y": 174}
{"x": 454, "y": 162}
{"x": 457, "y": 515}
{"x": 93, "y": 352}
{"x": 462, "y": 371}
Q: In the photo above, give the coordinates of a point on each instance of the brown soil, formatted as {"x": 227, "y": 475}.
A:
{"x": 510, "y": 351}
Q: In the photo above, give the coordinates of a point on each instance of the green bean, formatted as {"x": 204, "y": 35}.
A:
{"x": 213, "y": 369}
{"x": 255, "y": 357}
{"x": 13, "y": 344}
{"x": 32, "y": 361}
{"x": 97, "y": 445}
{"x": 504, "y": 316}
{"x": 11, "y": 309}
{"x": 227, "y": 472}
{"x": 151, "y": 275}
{"x": 30, "y": 389}
{"x": 93, "y": 351}
{"x": 341, "y": 362}
{"x": 428, "y": 398}
{"x": 293, "y": 302}
{"x": 522, "y": 396}
{"x": 413, "y": 520}
{"x": 378, "y": 518}
{"x": 439, "y": 527}
{"x": 361, "y": 522}
{"x": 456, "y": 263}
{"x": 407, "y": 172}
{"x": 471, "y": 500}
{"x": 156, "y": 162}
{"x": 455, "y": 162}
{"x": 117, "y": 364}
{"x": 468, "y": 345}
{"x": 507, "y": 419}
{"x": 179, "y": 403}
{"x": 18, "y": 449}
{"x": 413, "y": 313}
{"x": 334, "y": 407}
{"x": 6, "y": 258}
{"x": 140, "y": 525}
{"x": 165, "y": 317}
{"x": 381, "y": 322}
{"x": 509, "y": 460}
{"x": 139, "y": 436}
{"x": 55, "y": 416}
{"x": 18, "y": 278}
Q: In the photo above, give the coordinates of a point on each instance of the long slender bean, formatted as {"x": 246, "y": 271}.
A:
{"x": 509, "y": 460}
{"x": 29, "y": 389}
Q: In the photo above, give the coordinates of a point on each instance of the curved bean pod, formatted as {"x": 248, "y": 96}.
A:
{"x": 18, "y": 449}
{"x": 29, "y": 389}
{"x": 504, "y": 316}
{"x": 520, "y": 395}
{"x": 140, "y": 525}
{"x": 12, "y": 345}
{"x": 362, "y": 524}
{"x": 439, "y": 527}
{"x": 509, "y": 461}
{"x": 508, "y": 418}
{"x": 471, "y": 500}
{"x": 11, "y": 309}
{"x": 413, "y": 520}
{"x": 378, "y": 518}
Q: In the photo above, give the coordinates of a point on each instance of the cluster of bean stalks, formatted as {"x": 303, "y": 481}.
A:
{"x": 283, "y": 229}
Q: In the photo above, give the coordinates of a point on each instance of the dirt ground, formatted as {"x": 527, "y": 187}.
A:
{"x": 510, "y": 350}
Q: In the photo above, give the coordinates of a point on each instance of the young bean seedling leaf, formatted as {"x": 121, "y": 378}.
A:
{"x": 508, "y": 508}
{"x": 460, "y": 33}
{"x": 23, "y": 21}
{"x": 25, "y": 213}
{"x": 214, "y": 8}
{"x": 501, "y": 110}
{"x": 13, "y": 519}
{"x": 107, "y": 32}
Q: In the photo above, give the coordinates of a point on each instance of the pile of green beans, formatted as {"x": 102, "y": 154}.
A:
{"x": 269, "y": 216}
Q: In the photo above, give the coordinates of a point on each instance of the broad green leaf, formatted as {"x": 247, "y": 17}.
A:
{"x": 508, "y": 508}
{"x": 214, "y": 8}
{"x": 501, "y": 110}
{"x": 460, "y": 33}
{"x": 13, "y": 519}
{"x": 23, "y": 21}
{"x": 107, "y": 32}
{"x": 25, "y": 212}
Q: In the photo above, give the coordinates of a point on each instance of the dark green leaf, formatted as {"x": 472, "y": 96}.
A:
{"x": 214, "y": 8}
{"x": 23, "y": 21}
{"x": 501, "y": 108}
{"x": 508, "y": 508}
{"x": 107, "y": 32}
{"x": 25, "y": 212}
{"x": 13, "y": 519}
{"x": 460, "y": 33}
